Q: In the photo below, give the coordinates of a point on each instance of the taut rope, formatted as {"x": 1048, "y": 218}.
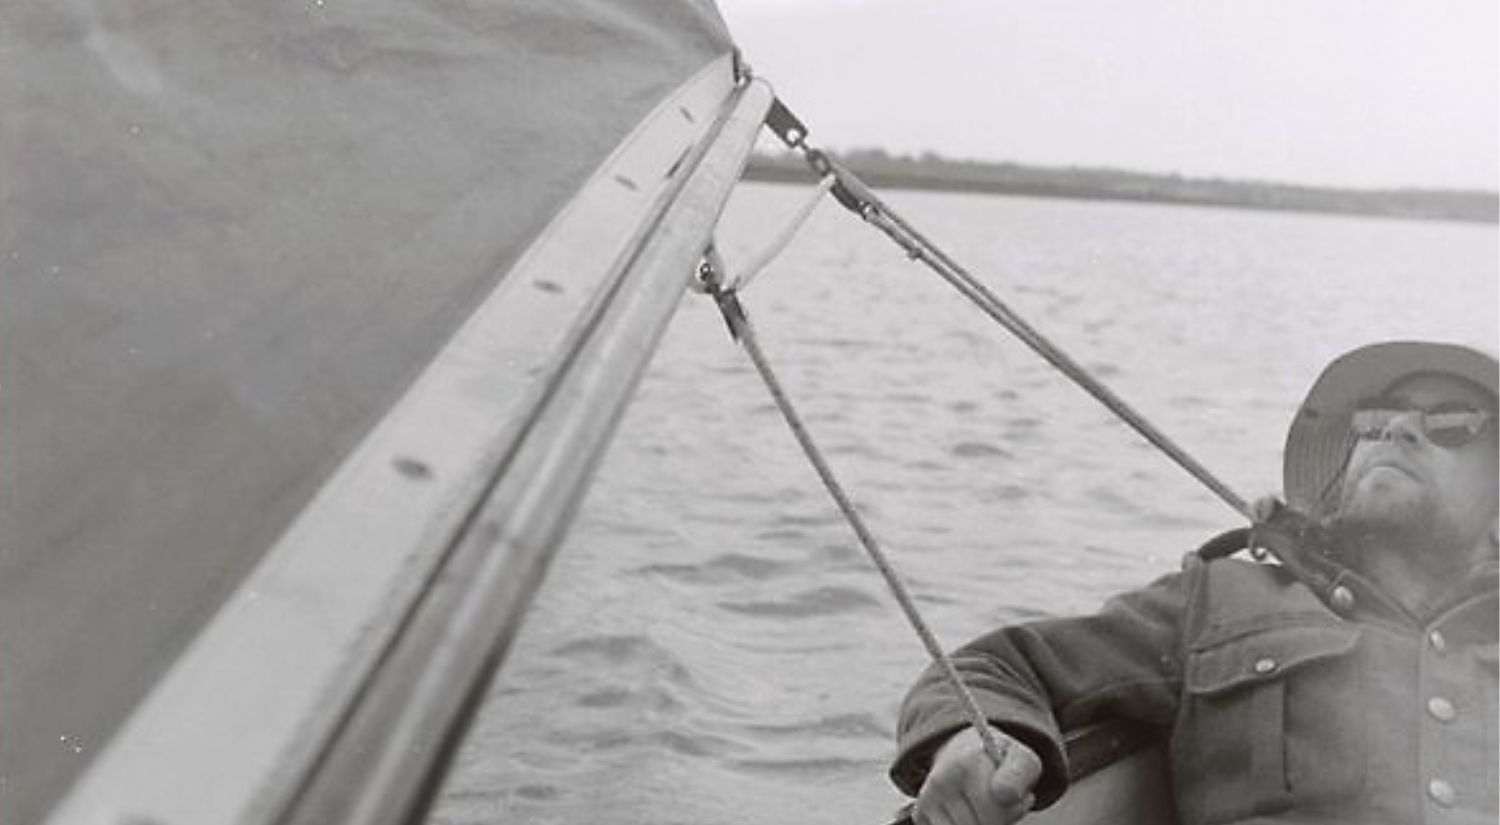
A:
{"x": 739, "y": 326}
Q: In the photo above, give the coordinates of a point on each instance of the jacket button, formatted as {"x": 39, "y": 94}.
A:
{"x": 1442, "y": 793}
{"x": 1343, "y": 597}
{"x": 1265, "y": 665}
{"x": 1441, "y": 709}
{"x": 1435, "y": 638}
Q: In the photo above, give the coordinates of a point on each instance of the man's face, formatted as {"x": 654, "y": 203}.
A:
{"x": 1401, "y": 481}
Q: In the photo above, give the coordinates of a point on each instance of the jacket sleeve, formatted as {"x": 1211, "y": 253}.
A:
{"x": 1035, "y": 680}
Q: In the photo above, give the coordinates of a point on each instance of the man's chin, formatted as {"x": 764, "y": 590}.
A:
{"x": 1366, "y": 515}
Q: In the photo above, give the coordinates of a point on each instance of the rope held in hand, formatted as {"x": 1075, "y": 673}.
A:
{"x": 739, "y": 327}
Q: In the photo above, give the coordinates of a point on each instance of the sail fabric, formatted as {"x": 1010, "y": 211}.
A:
{"x": 230, "y": 235}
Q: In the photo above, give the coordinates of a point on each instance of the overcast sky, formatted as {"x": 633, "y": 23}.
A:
{"x": 1367, "y": 93}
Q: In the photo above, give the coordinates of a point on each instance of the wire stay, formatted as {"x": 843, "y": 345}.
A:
{"x": 855, "y": 195}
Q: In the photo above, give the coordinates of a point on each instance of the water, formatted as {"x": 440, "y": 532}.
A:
{"x": 712, "y": 646}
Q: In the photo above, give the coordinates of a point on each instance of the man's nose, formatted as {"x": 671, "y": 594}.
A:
{"x": 1406, "y": 428}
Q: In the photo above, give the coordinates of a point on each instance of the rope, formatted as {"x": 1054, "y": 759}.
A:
{"x": 855, "y": 195}
{"x": 767, "y": 255}
{"x": 739, "y": 325}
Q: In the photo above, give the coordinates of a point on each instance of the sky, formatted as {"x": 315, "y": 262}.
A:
{"x": 1360, "y": 93}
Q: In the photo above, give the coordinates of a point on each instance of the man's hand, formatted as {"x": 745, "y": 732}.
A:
{"x": 1264, "y": 508}
{"x": 965, "y": 788}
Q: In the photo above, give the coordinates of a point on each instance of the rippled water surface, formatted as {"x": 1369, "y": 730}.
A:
{"x": 712, "y": 646}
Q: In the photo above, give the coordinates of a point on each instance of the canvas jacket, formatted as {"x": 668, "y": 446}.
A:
{"x": 1287, "y": 699}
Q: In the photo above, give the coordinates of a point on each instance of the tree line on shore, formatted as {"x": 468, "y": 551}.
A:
{"x": 930, "y": 171}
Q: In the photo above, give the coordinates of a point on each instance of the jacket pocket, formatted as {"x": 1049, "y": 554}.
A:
{"x": 1270, "y": 720}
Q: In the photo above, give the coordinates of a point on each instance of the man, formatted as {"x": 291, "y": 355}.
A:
{"x": 1354, "y": 681}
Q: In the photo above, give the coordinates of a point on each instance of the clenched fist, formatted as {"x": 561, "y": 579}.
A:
{"x": 966, "y": 788}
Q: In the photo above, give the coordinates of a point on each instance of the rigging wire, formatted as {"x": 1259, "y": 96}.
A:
{"x": 741, "y": 330}
{"x": 861, "y": 200}
{"x": 858, "y": 198}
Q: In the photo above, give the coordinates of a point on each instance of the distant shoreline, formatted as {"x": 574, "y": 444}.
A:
{"x": 934, "y": 173}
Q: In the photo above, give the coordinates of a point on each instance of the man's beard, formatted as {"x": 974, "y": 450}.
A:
{"x": 1394, "y": 515}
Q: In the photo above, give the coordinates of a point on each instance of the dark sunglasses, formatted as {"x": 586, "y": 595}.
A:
{"x": 1449, "y": 426}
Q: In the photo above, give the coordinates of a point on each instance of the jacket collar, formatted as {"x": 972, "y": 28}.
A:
{"x": 1318, "y": 559}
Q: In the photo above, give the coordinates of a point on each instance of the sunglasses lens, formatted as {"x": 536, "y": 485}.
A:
{"x": 1455, "y": 428}
{"x": 1449, "y": 429}
{"x": 1450, "y": 436}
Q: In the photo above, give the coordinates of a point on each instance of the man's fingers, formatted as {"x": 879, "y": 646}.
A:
{"x": 950, "y": 811}
{"x": 972, "y": 815}
{"x": 922, "y": 814}
{"x": 1012, "y": 781}
{"x": 973, "y": 802}
{"x": 1263, "y": 508}
{"x": 942, "y": 801}
{"x": 1020, "y": 809}
{"x": 966, "y": 788}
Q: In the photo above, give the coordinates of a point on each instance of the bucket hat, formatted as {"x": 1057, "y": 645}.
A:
{"x": 1317, "y": 443}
